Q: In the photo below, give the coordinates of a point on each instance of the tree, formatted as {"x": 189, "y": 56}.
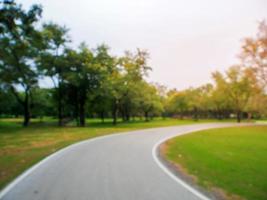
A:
{"x": 83, "y": 74}
{"x": 101, "y": 101}
{"x": 20, "y": 43}
{"x": 8, "y": 103}
{"x": 116, "y": 88}
{"x": 51, "y": 61}
{"x": 42, "y": 102}
{"x": 134, "y": 68}
{"x": 254, "y": 53}
{"x": 240, "y": 86}
{"x": 177, "y": 103}
{"x": 198, "y": 100}
{"x": 148, "y": 100}
{"x": 219, "y": 99}
{"x": 257, "y": 105}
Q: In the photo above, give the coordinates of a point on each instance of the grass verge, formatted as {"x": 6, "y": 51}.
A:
{"x": 232, "y": 160}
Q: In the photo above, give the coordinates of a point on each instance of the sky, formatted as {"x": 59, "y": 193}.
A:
{"x": 186, "y": 39}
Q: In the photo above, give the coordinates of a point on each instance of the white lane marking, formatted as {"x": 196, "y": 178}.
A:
{"x": 168, "y": 172}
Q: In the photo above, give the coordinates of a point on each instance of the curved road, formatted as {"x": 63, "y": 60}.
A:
{"x": 116, "y": 167}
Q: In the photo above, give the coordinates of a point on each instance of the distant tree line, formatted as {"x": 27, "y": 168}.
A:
{"x": 93, "y": 83}
{"x": 240, "y": 91}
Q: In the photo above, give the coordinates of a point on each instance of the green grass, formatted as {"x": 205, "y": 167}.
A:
{"x": 234, "y": 159}
{"x": 21, "y": 147}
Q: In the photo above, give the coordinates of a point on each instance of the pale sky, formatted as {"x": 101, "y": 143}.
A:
{"x": 186, "y": 39}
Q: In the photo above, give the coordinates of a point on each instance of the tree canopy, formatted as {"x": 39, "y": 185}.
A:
{"x": 91, "y": 82}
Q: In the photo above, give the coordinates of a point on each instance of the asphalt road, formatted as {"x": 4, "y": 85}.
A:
{"x": 118, "y": 167}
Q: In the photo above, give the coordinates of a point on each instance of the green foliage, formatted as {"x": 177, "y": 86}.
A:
{"x": 236, "y": 89}
{"x": 237, "y": 92}
{"x": 42, "y": 103}
{"x": 84, "y": 76}
{"x": 8, "y": 104}
{"x": 51, "y": 61}
{"x": 20, "y": 43}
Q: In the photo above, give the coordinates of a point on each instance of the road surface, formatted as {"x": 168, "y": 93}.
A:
{"x": 116, "y": 167}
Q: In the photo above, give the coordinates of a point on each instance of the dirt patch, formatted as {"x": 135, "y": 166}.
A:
{"x": 38, "y": 144}
{"x": 222, "y": 195}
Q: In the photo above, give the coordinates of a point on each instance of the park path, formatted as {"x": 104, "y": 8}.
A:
{"x": 117, "y": 167}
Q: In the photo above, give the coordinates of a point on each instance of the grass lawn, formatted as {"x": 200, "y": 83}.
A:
{"x": 234, "y": 159}
{"x": 21, "y": 147}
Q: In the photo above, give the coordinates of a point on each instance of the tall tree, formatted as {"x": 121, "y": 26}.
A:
{"x": 85, "y": 75}
{"x": 116, "y": 88}
{"x": 254, "y": 53}
{"x": 51, "y": 61}
{"x": 219, "y": 99}
{"x": 240, "y": 85}
{"x": 177, "y": 103}
{"x": 20, "y": 43}
{"x": 148, "y": 99}
{"x": 134, "y": 69}
{"x": 101, "y": 102}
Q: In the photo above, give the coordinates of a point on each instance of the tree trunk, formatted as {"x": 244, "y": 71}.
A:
{"x": 127, "y": 113}
{"x": 82, "y": 110}
{"x": 76, "y": 106}
{"x": 114, "y": 116}
{"x": 238, "y": 116}
{"x": 25, "y": 104}
{"x": 123, "y": 114}
{"x": 76, "y": 113}
{"x": 114, "y": 112}
{"x": 82, "y": 117}
{"x": 195, "y": 114}
{"x": 249, "y": 116}
{"x": 59, "y": 108}
{"x": 146, "y": 116}
{"x": 102, "y": 116}
{"x": 127, "y": 117}
{"x": 26, "y": 110}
